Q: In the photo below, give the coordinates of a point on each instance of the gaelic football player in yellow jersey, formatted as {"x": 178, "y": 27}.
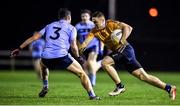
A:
{"x": 122, "y": 54}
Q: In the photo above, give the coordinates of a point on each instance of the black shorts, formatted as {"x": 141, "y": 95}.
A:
{"x": 57, "y": 63}
{"x": 127, "y": 59}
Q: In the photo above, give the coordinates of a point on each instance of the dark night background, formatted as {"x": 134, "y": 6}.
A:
{"x": 156, "y": 40}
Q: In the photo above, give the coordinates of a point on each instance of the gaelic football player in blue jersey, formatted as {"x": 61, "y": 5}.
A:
{"x": 95, "y": 47}
{"x": 36, "y": 49}
{"x": 59, "y": 37}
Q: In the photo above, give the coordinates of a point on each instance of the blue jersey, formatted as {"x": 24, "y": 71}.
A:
{"x": 58, "y": 36}
{"x": 82, "y": 31}
{"x": 37, "y": 48}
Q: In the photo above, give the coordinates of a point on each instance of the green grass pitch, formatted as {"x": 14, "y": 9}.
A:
{"x": 22, "y": 88}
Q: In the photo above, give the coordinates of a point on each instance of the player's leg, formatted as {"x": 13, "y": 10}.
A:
{"x": 37, "y": 67}
{"x": 99, "y": 64}
{"x": 142, "y": 75}
{"x": 76, "y": 68}
{"x": 45, "y": 75}
{"x": 107, "y": 63}
{"x": 85, "y": 66}
{"x": 134, "y": 67}
{"x": 92, "y": 66}
{"x": 99, "y": 61}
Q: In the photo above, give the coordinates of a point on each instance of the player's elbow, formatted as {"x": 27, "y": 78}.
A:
{"x": 126, "y": 26}
{"x": 130, "y": 29}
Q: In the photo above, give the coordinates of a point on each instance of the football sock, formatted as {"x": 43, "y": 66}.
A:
{"x": 45, "y": 83}
{"x": 91, "y": 93}
{"x": 120, "y": 85}
{"x": 92, "y": 78}
{"x": 168, "y": 88}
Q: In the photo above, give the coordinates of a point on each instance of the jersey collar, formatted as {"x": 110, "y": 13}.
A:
{"x": 62, "y": 20}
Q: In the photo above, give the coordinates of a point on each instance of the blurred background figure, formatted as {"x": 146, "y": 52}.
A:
{"x": 36, "y": 49}
{"x": 94, "y": 49}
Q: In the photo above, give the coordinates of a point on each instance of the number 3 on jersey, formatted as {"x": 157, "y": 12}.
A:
{"x": 57, "y": 29}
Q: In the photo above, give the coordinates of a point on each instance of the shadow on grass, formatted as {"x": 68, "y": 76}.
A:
{"x": 59, "y": 96}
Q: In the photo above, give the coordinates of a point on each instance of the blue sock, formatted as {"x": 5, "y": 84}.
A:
{"x": 45, "y": 83}
{"x": 168, "y": 88}
{"x": 92, "y": 78}
{"x": 91, "y": 93}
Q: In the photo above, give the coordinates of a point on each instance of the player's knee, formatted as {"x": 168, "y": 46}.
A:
{"x": 104, "y": 64}
{"x": 81, "y": 74}
{"x": 91, "y": 61}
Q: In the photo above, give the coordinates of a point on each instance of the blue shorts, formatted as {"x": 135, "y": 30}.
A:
{"x": 89, "y": 50}
{"x": 56, "y": 63}
{"x": 127, "y": 59}
{"x": 36, "y": 55}
{"x": 36, "y": 58}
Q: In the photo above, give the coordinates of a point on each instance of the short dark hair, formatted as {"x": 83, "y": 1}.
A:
{"x": 85, "y": 11}
{"x": 98, "y": 14}
{"x": 63, "y": 12}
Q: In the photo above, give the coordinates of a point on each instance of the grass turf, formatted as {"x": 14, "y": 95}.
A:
{"x": 22, "y": 88}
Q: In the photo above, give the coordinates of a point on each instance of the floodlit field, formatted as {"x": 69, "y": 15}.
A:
{"x": 22, "y": 87}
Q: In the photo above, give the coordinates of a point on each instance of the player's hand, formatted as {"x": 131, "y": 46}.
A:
{"x": 15, "y": 52}
{"x": 123, "y": 41}
{"x": 80, "y": 60}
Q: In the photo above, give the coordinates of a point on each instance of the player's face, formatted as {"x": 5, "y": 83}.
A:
{"x": 69, "y": 18}
{"x": 98, "y": 21}
{"x": 85, "y": 17}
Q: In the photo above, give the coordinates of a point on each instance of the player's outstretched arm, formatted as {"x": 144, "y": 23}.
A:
{"x": 16, "y": 51}
{"x": 86, "y": 42}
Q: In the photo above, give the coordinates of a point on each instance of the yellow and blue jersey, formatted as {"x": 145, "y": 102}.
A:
{"x": 104, "y": 34}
